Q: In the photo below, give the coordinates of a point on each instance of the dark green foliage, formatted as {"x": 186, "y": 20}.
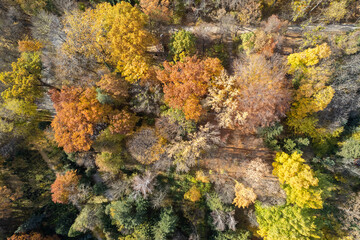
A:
{"x": 166, "y": 225}
{"x": 269, "y": 135}
{"x": 234, "y": 235}
{"x": 32, "y": 223}
{"x": 90, "y": 217}
{"x": 61, "y": 217}
{"x": 219, "y": 51}
{"x": 99, "y": 188}
{"x": 127, "y": 213}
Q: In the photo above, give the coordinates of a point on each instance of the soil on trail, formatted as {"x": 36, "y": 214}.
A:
{"x": 246, "y": 159}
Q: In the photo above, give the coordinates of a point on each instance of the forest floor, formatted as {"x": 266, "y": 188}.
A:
{"x": 246, "y": 159}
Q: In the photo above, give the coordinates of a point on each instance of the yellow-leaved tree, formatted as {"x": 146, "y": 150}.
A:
{"x": 243, "y": 196}
{"x": 298, "y": 180}
{"x": 312, "y": 94}
{"x": 113, "y": 35}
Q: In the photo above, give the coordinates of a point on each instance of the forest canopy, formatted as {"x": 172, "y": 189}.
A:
{"x": 179, "y": 119}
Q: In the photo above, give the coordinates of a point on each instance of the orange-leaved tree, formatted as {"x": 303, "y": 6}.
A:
{"x": 113, "y": 85}
{"x": 157, "y": 10}
{"x": 28, "y": 45}
{"x": 64, "y": 186}
{"x": 7, "y": 197}
{"x": 32, "y": 236}
{"x": 78, "y": 113}
{"x": 185, "y": 83}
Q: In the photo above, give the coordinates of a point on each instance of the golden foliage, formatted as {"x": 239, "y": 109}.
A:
{"x": 113, "y": 35}
{"x": 113, "y": 85}
{"x": 145, "y": 145}
{"x": 122, "y": 122}
{"x": 200, "y": 176}
{"x": 312, "y": 95}
{"x": 29, "y": 45}
{"x": 298, "y": 179}
{"x": 193, "y": 194}
{"x": 243, "y": 196}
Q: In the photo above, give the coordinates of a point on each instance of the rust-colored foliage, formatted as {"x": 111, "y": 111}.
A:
{"x": 265, "y": 92}
{"x": 156, "y": 10}
{"x": 122, "y": 122}
{"x": 32, "y": 236}
{"x": 185, "y": 83}
{"x": 6, "y": 199}
{"x": 64, "y": 186}
{"x": 114, "y": 85}
{"x": 78, "y": 112}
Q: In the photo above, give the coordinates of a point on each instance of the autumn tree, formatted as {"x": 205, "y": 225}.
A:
{"x": 243, "y": 196}
{"x": 28, "y": 45}
{"x": 172, "y": 125}
{"x": 113, "y": 35}
{"x": 312, "y": 94}
{"x": 114, "y": 86}
{"x": 32, "y": 236}
{"x": 185, "y": 154}
{"x": 299, "y": 181}
{"x": 145, "y": 145}
{"x": 157, "y": 10}
{"x": 257, "y": 96}
{"x": 78, "y": 112}
{"x": 64, "y": 186}
{"x": 193, "y": 194}
{"x": 286, "y": 222}
{"x": 122, "y": 122}
{"x": 19, "y": 118}
{"x": 186, "y": 83}
{"x": 24, "y": 81}
{"x": 7, "y": 197}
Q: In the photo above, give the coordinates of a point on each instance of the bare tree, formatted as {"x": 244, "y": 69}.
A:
{"x": 144, "y": 184}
